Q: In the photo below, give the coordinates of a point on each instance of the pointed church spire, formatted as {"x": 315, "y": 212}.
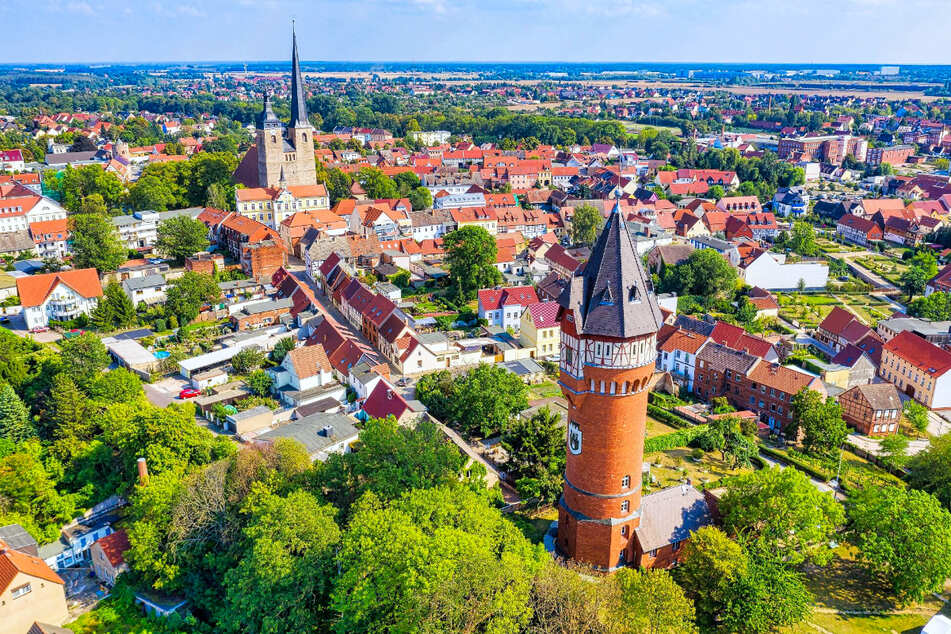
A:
{"x": 282, "y": 181}
{"x": 298, "y": 99}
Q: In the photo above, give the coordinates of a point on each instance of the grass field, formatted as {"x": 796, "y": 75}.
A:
{"x": 675, "y": 465}
{"x": 844, "y": 585}
{"x": 656, "y": 428}
{"x": 547, "y": 389}
{"x": 634, "y": 128}
{"x": 810, "y": 309}
{"x": 534, "y": 524}
{"x": 889, "y": 268}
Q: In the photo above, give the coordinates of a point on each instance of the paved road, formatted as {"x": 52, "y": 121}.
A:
{"x": 877, "y": 280}
{"x": 330, "y": 312}
{"x": 165, "y": 392}
{"x": 872, "y": 445}
{"x": 819, "y": 484}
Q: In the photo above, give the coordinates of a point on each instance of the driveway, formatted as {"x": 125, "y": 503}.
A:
{"x": 17, "y": 326}
{"x": 165, "y": 392}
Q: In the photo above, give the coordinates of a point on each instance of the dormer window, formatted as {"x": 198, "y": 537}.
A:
{"x": 632, "y": 294}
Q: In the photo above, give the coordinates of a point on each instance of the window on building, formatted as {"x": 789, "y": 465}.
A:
{"x": 625, "y": 506}
{"x": 626, "y": 481}
{"x": 624, "y": 531}
{"x": 19, "y": 591}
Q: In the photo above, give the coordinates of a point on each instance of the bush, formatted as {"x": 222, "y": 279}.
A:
{"x": 697, "y": 454}
{"x": 674, "y": 440}
{"x": 668, "y": 417}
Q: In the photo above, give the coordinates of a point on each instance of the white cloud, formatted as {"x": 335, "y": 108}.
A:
{"x": 79, "y": 7}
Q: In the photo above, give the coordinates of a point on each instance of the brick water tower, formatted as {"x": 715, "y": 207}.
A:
{"x": 609, "y": 324}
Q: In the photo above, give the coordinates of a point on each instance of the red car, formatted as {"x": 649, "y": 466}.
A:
{"x": 189, "y": 392}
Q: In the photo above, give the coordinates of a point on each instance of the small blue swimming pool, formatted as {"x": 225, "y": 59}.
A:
{"x": 162, "y": 354}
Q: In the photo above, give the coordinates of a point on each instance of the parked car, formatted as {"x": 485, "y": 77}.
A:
{"x": 189, "y": 392}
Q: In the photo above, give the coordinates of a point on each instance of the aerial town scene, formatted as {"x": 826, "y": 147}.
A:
{"x": 644, "y": 330}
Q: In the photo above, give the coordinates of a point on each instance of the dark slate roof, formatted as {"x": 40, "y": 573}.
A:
{"x": 670, "y": 516}
{"x": 612, "y": 295}
{"x": 16, "y": 537}
{"x": 298, "y": 97}
{"x": 699, "y": 326}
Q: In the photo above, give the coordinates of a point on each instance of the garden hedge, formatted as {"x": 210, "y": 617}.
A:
{"x": 674, "y": 440}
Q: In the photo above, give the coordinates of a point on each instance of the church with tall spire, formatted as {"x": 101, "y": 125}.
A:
{"x": 282, "y": 157}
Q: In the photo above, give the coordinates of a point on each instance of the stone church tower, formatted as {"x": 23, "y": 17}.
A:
{"x": 287, "y": 154}
{"x": 610, "y": 320}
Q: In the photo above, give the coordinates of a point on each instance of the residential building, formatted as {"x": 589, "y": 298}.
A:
{"x": 858, "y": 230}
{"x": 937, "y": 332}
{"x": 678, "y": 354}
{"x": 261, "y": 314}
{"x": 107, "y": 555}
{"x": 304, "y": 376}
{"x": 720, "y": 371}
{"x": 893, "y": 155}
{"x": 541, "y": 329}
{"x": 873, "y": 409}
{"x": 503, "y": 307}
{"x": 272, "y": 205}
{"x": 839, "y": 329}
{"x": 58, "y": 296}
{"x": 322, "y": 434}
{"x": 29, "y": 592}
{"x": 149, "y": 289}
{"x": 768, "y": 388}
{"x": 261, "y": 260}
{"x": 918, "y": 368}
{"x": 51, "y": 238}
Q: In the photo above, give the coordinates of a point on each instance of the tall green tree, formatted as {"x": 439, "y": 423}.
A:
{"x": 712, "y": 564}
{"x": 769, "y": 596}
{"x": 376, "y": 184}
{"x": 586, "y": 223}
{"x": 66, "y": 417}
{"x": 536, "y": 449}
{"x": 187, "y": 294}
{"x": 916, "y": 414}
{"x": 150, "y": 192}
{"x": 181, "y": 236}
{"x": 84, "y": 358}
{"x": 115, "y": 309}
{"x": 779, "y": 510}
{"x": 435, "y": 560}
{"x": 14, "y": 417}
{"x": 392, "y": 459}
{"x": 921, "y": 268}
{"x": 421, "y": 198}
{"x": 803, "y": 239}
{"x": 651, "y": 602}
{"x": 486, "y": 399}
{"x": 930, "y": 470}
{"x": 904, "y": 535}
{"x": 470, "y": 257}
{"x": 821, "y": 422}
{"x": 283, "y": 581}
{"x": 95, "y": 243}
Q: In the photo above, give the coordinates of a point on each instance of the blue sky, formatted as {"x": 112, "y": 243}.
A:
{"x": 748, "y": 31}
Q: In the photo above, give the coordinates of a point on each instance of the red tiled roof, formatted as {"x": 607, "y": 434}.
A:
{"x": 13, "y": 562}
{"x": 385, "y": 400}
{"x": 922, "y": 354}
{"x": 114, "y": 545}
{"x": 494, "y": 298}
{"x": 544, "y": 314}
{"x": 34, "y": 289}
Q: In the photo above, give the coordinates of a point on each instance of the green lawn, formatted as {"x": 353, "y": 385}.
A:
{"x": 656, "y": 428}
{"x": 844, "y": 585}
{"x": 546, "y": 389}
{"x": 889, "y": 268}
{"x": 675, "y": 465}
{"x": 810, "y": 309}
{"x": 534, "y": 524}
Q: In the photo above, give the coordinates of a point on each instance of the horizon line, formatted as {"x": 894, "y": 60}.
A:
{"x": 436, "y": 61}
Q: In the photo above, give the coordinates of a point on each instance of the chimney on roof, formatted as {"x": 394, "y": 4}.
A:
{"x": 327, "y": 430}
{"x": 143, "y": 469}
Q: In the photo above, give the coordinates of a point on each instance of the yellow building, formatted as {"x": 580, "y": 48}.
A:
{"x": 540, "y": 329}
{"x": 29, "y": 592}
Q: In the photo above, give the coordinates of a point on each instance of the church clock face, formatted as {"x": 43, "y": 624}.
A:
{"x": 574, "y": 438}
